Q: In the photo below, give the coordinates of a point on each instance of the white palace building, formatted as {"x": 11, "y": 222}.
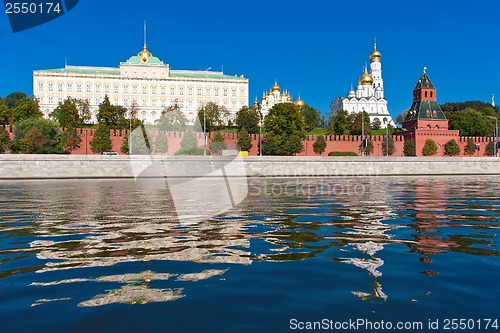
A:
{"x": 369, "y": 94}
{"x": 144, "y": 81}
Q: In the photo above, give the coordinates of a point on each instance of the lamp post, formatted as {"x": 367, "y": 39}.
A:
{"x": 362, "y": 133}
{"x": 260, "y": 130}
{"x": 204, "y": 132}
{"x": 387, "y": 140}
{"x": 495, "y": 151}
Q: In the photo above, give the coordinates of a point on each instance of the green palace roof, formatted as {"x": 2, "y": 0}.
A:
{"x": 424, "y": 82}
{"x": 84, "y": 70}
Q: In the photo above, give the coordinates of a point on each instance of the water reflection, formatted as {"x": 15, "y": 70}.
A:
{"x": 76, "y": 229}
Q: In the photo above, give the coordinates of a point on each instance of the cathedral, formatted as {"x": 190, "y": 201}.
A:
{"x": 275, "y": 96}
{"x": 369, "y": 94}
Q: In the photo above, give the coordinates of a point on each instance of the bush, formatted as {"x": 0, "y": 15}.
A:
{"x": 319, "y": 145}
{"x": 430, "y": 148}
{"x": 409, "y": 149}
{"x": 342, "y": 153}
{"x": 191, "y": 151}
{"x": 489, "y": 150}
{"x": 470, "y": 148}
{"x": 451, "y": 148}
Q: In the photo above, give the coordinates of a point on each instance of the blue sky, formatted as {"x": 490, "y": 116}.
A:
{"x": 317, "y": 48}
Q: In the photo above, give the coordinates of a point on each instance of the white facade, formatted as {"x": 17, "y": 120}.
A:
{"x": 144, "y": 81}
{"x": 368, "y": 96}
{"x": 275, "y": 96}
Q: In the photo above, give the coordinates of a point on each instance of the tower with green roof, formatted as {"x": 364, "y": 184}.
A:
{"x": 425, "y": 119}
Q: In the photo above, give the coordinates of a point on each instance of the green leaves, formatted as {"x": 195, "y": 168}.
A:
{"x": 72, "y": 113}
{"x": 430, "y": 148}
{"x": 319, "y": 145}
{"x": 248, "y": 118}
{"x": 451, "y": 148}
{"x": 286, "y": 127}
{"x": 244, "y": 140}
{"x": 101, "y": 141}
{"x": 37, "y": 136}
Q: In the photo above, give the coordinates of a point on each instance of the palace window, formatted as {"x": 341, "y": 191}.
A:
{"x": 153, "y": 90}
{"x": 216, "y": 91}
{"x": 125, "y": 89}
{"x": 162, "y": 103}
{"x": 40, "y": 87}
{"x": 70, "y": 87}
{"x": 225, "y": 92}
{"x": 190, "y": 91}
{"x": 97, "y": 88}
{"x": 198, "y": 91}
{"x": 79, "y": 88}
{"x": 144, "y": 102}
{"x": 207, "y": 91}
{"x": 97, "y": 101}
{"x": 154, "y": 102}
{"x": 233, "y": 93}
{"x": 106, "y": 89}
{"x": 51, "y": 100}
{"x": 162, "y": 90}
{"x": 116, "y": 101}
{"x": 134, "y": 102}
{"x": 51, "y": 87}
{"x": 242, "y": 92}
{"x": 144, "y": 90}
{"x": 117, "y": 89}
{"x": 181, "y": 91}
{"x": 125, "y": 101}
{"x": 134, "y": 89}
{"x": 88, "y": 88}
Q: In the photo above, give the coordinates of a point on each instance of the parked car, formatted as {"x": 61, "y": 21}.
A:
{"x": 109, "y": 153}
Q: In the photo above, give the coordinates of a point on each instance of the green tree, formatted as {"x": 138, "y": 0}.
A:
{"x": 217, "y": 144}
{"x": 354, "y": 119}
{"x": 409, "y": 149}
{"x": 368, "y": 148}
{"x": 319, "y": 145}
{"x": 36, "y": 136}
{"x": 101, "y": 141}
{"x": 451, "y": 148}
{"x": 5, "y": 114}
{"x": 430, "y": 148}
{"x": 21, "y": 107}
{"x": 470, "y": 148}
{"x": 72, "y": 113}
{"x": 125, "y": 146}
{"x": 215, "y": 116}
{"x": 189, "y": 143}
{"x": 489, "y": 150}
{"x": 392, "y": 148}
{"x": 269, "y": 146}
{"x": 286, "y": 125}
{"x": 172, "y": 119}
{"x": 140, "y": 142}
{"x": 244, "y": 140}
{"x": 70, "y": 139}
{"x": 469, "y": 122}
{"x": 161, "y": 143}
{"x": 4, "y": 140}
{"x": 340, "y": 124}
{"x": 376, "y": 124}
{"x": 311, "y": 116}
{"x": 113, "y": 116}
{"x": 248, "y": 118}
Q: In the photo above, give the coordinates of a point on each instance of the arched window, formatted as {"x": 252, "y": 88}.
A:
{"x": 431, "y": 94}
{"x": 425, "y": 94}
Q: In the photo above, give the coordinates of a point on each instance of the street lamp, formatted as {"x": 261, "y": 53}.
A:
{"x": 387, "y": 140}
{"x": 362, "y": 133}
{"x": 260, "y": 129}
{"x": 204, "y": 132}
{"x": 496, "y": 135}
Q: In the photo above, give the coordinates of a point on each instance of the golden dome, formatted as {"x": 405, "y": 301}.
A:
{"x": 289, "y": 98}
{"x": 365, "y": 78}
{"x": 375, "y": 55}
{"x": 264, "y": 97}
{"x": 275, "y": 87}
{"x": 299, "y": 102}
{"x": 256, "y": 102}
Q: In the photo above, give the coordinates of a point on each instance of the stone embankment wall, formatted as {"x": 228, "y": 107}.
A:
{"x": 97, "y": 166}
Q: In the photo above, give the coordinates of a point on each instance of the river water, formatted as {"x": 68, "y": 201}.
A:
{"x": 110, "y": 256}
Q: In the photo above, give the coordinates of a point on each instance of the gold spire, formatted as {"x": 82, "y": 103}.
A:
{"x": 375, "y": 55}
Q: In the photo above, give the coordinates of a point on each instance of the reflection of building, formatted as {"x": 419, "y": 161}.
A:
{"x": 425, "y": 119}
{"x": 275, "y": 96}
{"x": 369, "y": 94}
{"x": 143, "y": 80}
